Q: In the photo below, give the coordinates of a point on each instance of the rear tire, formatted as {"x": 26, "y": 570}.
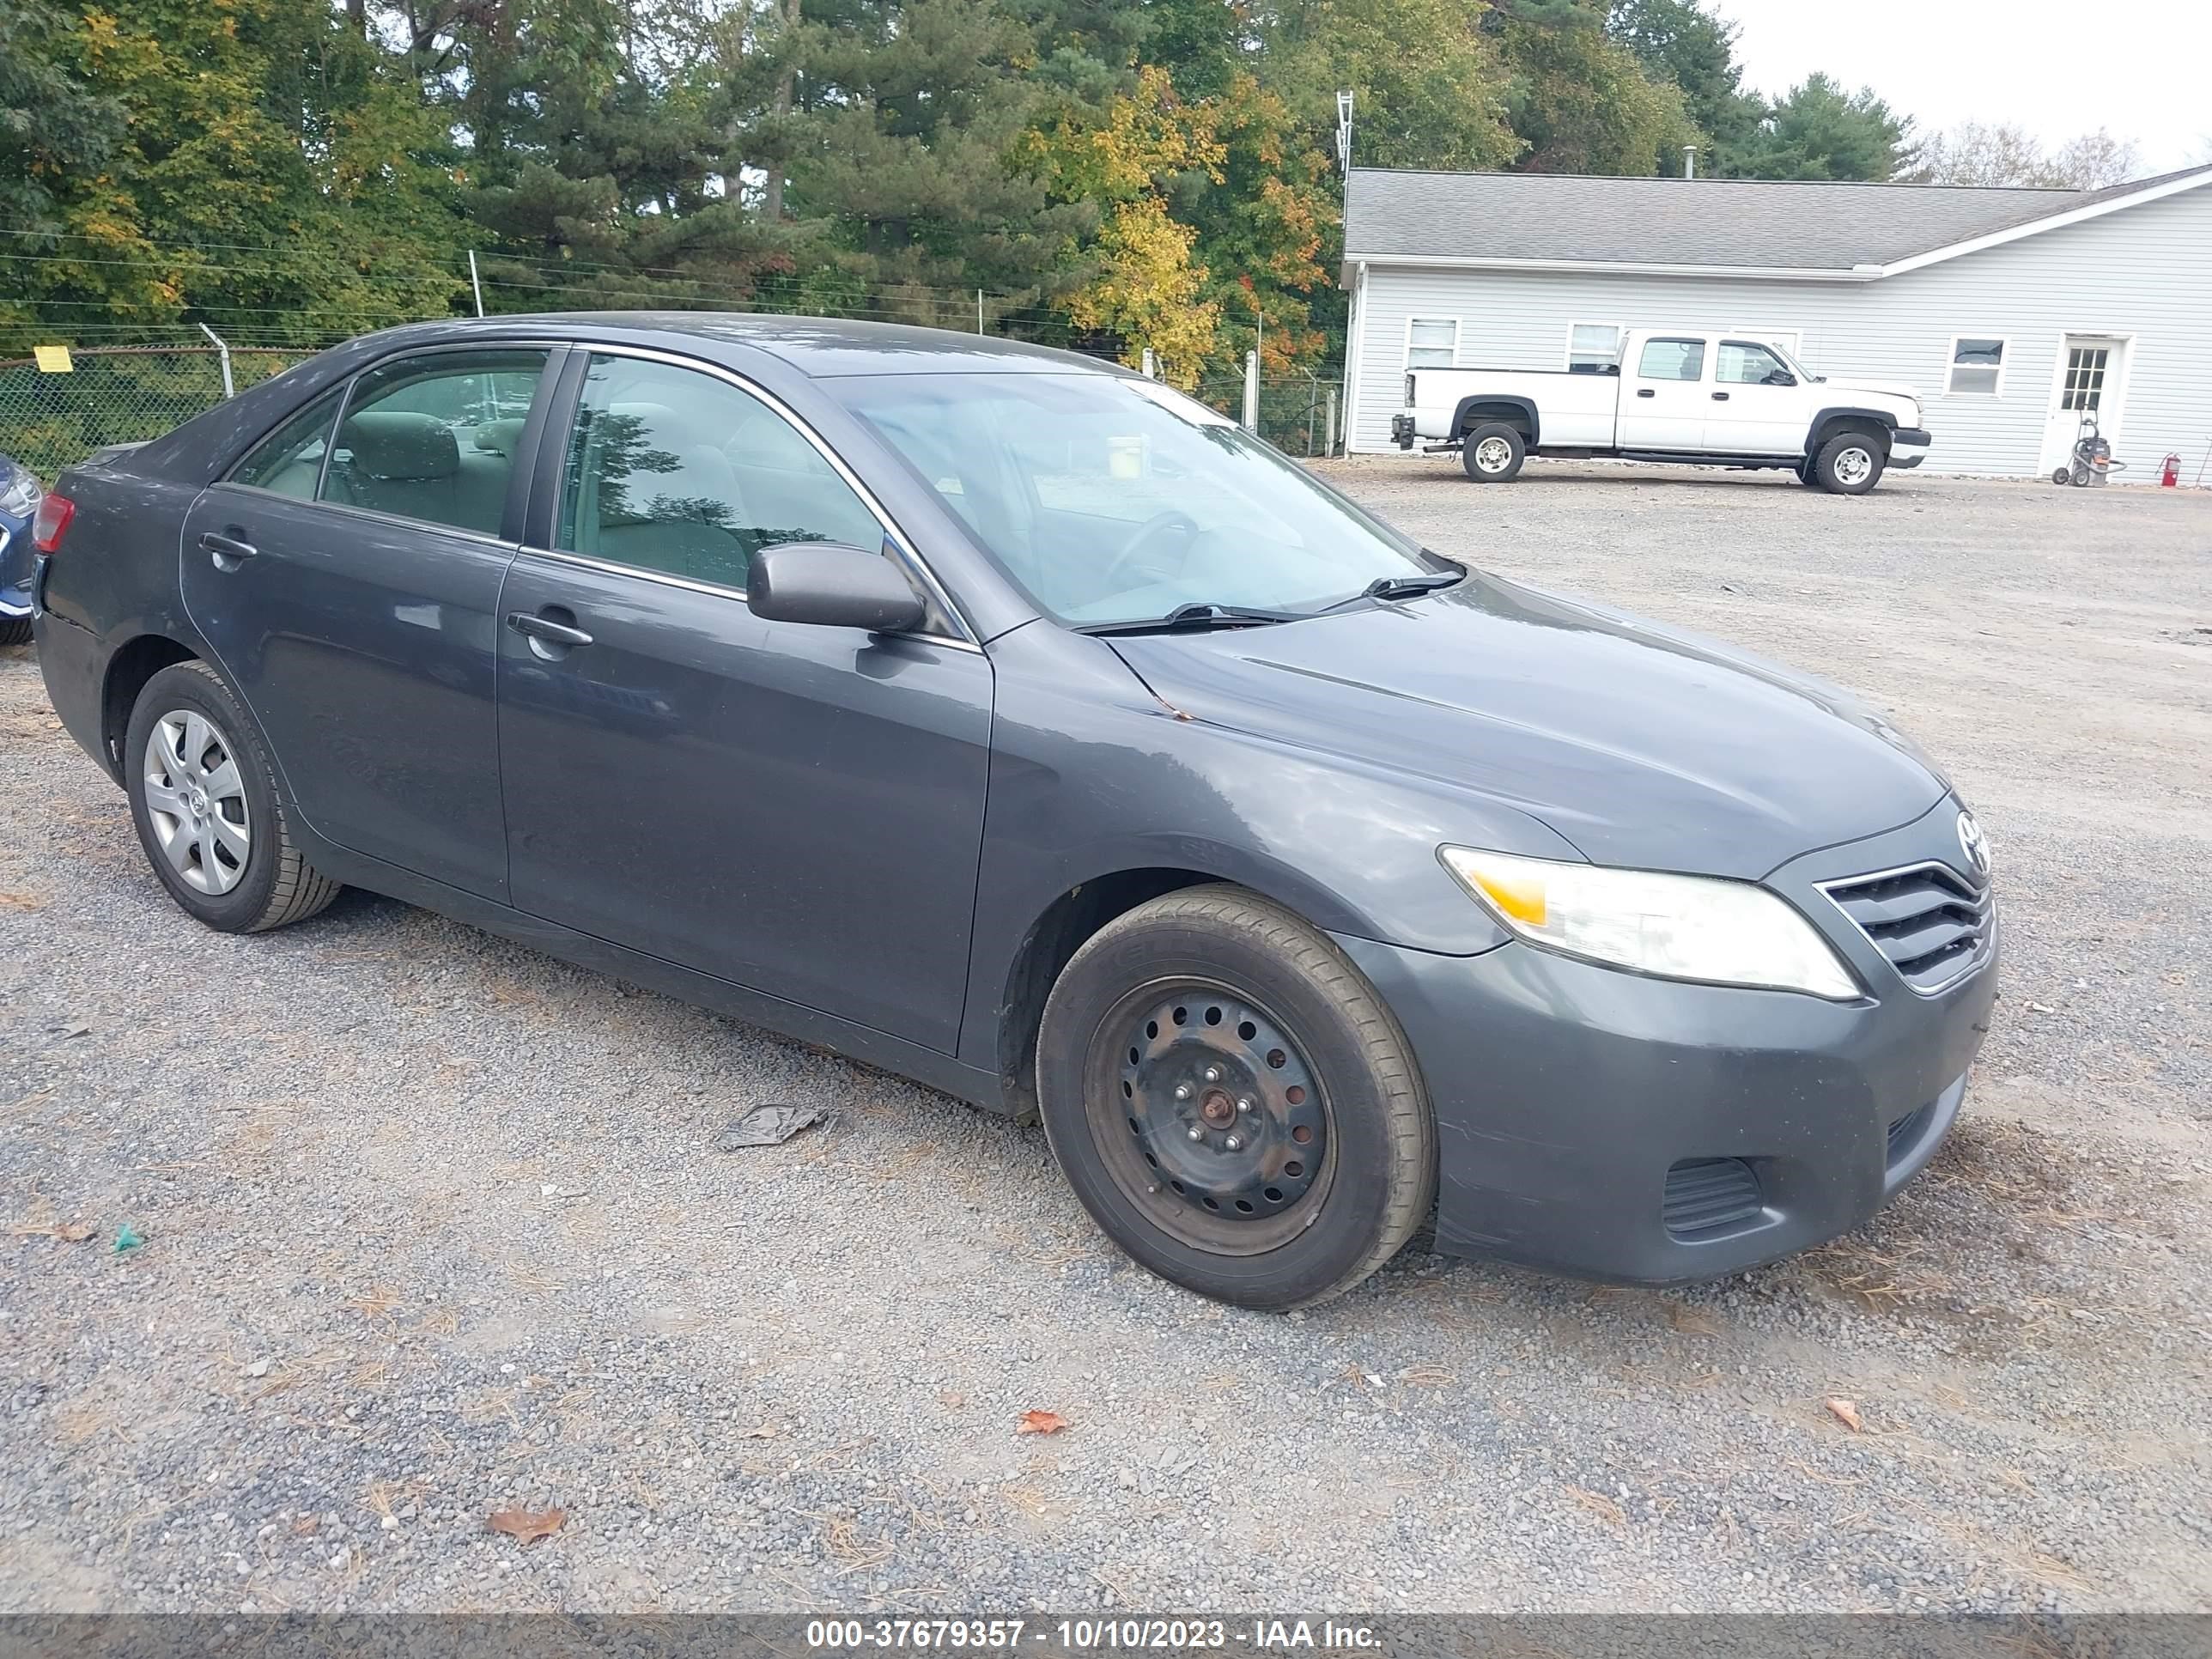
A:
{"x": 15, "y": 630}
{"x": 1494, "y": 452}
{"x": 1232, "y": 1101}
{"x": 203, "y": 801}
{"x": 2064, "y": 475}
{"x": 1851, "y": 462}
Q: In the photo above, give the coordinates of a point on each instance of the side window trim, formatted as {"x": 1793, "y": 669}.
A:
{"x": 344, "y": 388}
{"x": 552, "y": 460}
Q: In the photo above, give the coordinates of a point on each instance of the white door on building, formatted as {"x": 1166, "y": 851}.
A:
{"x": 1665, "y": 394}
{"x": 2090, "y": 371}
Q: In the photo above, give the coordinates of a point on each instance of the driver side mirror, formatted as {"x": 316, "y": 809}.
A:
{"x": 829, "y": 585}
{"x": 1781, "y": 377}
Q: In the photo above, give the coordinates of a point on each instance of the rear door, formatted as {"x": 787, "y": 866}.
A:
{"x": 1757, "y": 406}
{"x": 1664, "y": 396}
{"x": 346, "y": 575}
{"x": 797, "y": 809}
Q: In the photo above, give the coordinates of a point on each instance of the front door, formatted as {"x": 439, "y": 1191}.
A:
{"x": 1664, "y": 397}
{"x": 347, "y": 579}
{"x": 1758, "y": 407}
{"x": 2089, "y": 368}
{"x": 797, "y": 809}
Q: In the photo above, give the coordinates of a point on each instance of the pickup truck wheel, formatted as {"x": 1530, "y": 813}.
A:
{"x": 1851, "y": 463}
{"x": 1494, "y": 452}
{"x": 1232, "y": 1101}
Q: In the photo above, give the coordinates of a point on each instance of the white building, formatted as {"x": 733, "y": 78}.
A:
{"x": 2011, "y": 312}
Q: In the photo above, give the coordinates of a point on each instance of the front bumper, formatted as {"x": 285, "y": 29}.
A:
{"x": 1908, "y": 446}
{"x": 1621, "y": 1128}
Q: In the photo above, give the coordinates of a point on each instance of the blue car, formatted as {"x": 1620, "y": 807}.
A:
{"x": 21, "y": 493}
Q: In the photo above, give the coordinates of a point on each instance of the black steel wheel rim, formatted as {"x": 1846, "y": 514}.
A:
{"x": 1210, "y": 1117}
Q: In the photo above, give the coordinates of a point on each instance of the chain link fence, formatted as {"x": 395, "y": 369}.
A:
{"x": 116, "y": 395}
{"x": 1301, "y": 415}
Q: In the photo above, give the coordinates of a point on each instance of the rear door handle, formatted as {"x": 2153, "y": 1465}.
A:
{"x": 1645, "y": 391}
{"x": 1720, "y": 397}
{"x": 227, "y": 551}
{"x": 546, "y": 629}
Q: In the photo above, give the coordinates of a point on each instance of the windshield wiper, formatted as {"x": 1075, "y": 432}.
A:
{"x": 1199, "y": 614}
{"x": 1400, "y": 587}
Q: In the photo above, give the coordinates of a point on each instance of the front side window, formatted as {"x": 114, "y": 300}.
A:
{"x": 1592, "y": 347}
{"x": 1977, "y": 368}
{"x": 433, "y": 437}
{"x": 1742, "y": 364}
{"x": 289, "y": 461}
{"x": 1431, "y": 343}
{"x": 1108, "y": 498}
{"x": 1671, "y": 360}
{"x": 678, "y": 472}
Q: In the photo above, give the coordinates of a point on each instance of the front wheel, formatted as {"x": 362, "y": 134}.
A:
{"x": 1233, "y": 1103}
{"x": 1494, "y": 452}
{"x": 1851, "y": 463}
{"x": 204, "y": 800}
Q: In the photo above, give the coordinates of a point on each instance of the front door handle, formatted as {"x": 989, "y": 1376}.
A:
{"x": 1720, "y": 397}
{"x": 227, "y": 551}
{"x": 545, "y": 631}
{"x": 1645, "y": 391}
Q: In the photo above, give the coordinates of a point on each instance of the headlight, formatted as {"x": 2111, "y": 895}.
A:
{"x": 1693, "y": 928}
{"x": 19, "y": 490}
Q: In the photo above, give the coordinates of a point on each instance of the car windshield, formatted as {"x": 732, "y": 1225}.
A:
{"x": 1112, "y": 499}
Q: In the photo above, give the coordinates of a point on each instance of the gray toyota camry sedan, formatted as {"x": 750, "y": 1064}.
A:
{"x": 1006, "y": 719}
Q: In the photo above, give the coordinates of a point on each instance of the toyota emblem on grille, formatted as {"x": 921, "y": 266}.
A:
{"x": 1974, "y": 844}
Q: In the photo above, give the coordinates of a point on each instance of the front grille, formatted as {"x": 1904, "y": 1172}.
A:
{"x": 1708, "y": 1196}
{"x": 1929, "y": 921}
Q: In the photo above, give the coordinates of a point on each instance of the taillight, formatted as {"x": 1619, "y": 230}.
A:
{"x": 52, "y": 523}
{"x": 1409, "y": 388}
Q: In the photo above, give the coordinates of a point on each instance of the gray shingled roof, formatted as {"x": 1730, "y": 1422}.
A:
{"x": 1730, "y": 222}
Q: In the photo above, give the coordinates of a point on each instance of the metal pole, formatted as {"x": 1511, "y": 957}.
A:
{"x": 1328, "y": 426}
{"x": 1252, "y": 391}
{"x": 1151, "y": 365}
{"x": 229, "y": 390}
{"x": 979, "y": 311}
{"x": 476, "y": 281}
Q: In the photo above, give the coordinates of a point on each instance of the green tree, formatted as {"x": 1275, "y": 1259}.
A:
{"x": 1681, "y": 41}
{"x": 53, "y": 128}
{"x": 1580, "y": 101}
{"x": 1818, "y": 131}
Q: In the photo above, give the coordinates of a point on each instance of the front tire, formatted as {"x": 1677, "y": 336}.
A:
{"x": 1232, "y": 1101}
{"x": 204, "y": 801}
{"x": 1494, "y": 452}
{"x": 15, "y": 630}
{"x": 1851, "y": 463}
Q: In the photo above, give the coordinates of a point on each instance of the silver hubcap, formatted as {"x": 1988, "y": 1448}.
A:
{"x": 1492, "y": 454}
{"x": 1853, "y": 465}
{"x": 196, "y": 801}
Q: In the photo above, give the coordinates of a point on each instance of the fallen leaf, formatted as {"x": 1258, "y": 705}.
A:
{"x": 72, "y": 1232}
{"x": 1846, "y": 1411}
{"x": 1040, "y": 1423}
{"x": 526, "y": 1526}
{"x": 766, "y": 1432}
{"x": 306, "y": 1525}
{"x": 952, "y": 1400}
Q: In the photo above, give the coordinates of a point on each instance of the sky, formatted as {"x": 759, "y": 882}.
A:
{"x": 2142, "y": 69}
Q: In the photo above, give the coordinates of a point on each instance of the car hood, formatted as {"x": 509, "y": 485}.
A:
{"x": 1642, "y": 745}
{"x": 1890, "y": 388}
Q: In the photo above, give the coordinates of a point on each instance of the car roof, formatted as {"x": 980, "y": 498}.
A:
{"x": 818, "y": 346}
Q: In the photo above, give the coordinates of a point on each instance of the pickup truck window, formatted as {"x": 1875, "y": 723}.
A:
{"x": 1742, "y": 364}
{"x": 1671, "y": 360}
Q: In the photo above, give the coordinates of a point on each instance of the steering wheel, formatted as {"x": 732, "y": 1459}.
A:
{"x": 1141, "y": 539}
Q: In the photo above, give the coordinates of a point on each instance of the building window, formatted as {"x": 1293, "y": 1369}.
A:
{"x": 2084, "y": 387}
{"x": 1593, "y": 348}
{"x": 1431, "y": 341}
{"x": 1977, "y": 368}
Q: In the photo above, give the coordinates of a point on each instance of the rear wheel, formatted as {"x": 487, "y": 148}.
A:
{"x": 1494, "y": 452}
{"x": 15, "y": 630}
{"x": 1851, "y": 462}
{"x": 1232, "y": 1103}
{"x": 203, "y": 801}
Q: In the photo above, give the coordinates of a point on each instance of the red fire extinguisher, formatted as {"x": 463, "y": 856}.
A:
{"x": 2169, "y": 471}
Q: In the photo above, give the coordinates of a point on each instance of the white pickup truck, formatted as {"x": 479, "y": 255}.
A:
{"x": 1676, "y": 395}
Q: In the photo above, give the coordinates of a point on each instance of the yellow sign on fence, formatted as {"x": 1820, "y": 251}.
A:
{"x": 52, "y": 360}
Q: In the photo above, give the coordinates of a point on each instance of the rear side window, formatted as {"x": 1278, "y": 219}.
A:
{"x": 433, "y": 437}
{"x": 289, "y": 461}
{"x": 1671, "y": 360}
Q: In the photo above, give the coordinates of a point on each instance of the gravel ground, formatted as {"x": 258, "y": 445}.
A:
{"x": 433, "y": 1227}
